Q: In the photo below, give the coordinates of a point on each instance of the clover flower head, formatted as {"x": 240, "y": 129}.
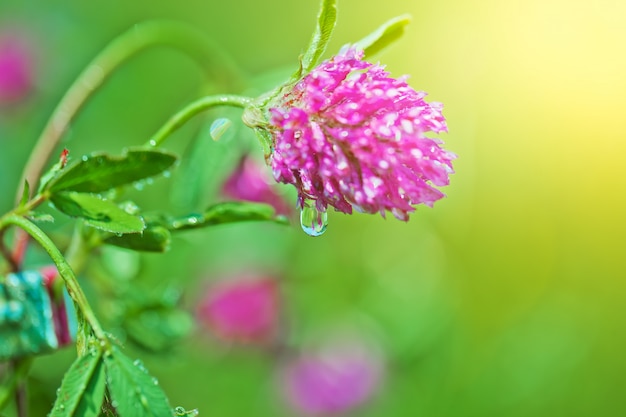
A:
{"x": 333, "y": 380}
{"x": 348, "y": 135}
{"x": 16, "y": 68}
{"x": 242, "y": 309}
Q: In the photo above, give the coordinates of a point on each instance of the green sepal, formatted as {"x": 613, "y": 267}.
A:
{"x": 134, "y": 392}
{"x": 229, "y": 212}
{"x": 385, "y": 35}
{"x": 97, "y": 212}
{"x": 100, "y": 172}
{"x": 154, "y": 238}
{"x": 82, "y": 390}
{"x": 326, "y": 20}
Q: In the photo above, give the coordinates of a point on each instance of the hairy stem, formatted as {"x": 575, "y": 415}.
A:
{"x": 198, "y": 106}
{"x": 64, "y": 268}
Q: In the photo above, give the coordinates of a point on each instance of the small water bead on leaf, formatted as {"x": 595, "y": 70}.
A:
{"x": 313, "y": 221}
{"x": 219, "y": 127}
{"x": 180, "y": 411}
{"x": 130, "y": 207}
{"x": 139, "y": 364}
{"x": 188, "y": 221}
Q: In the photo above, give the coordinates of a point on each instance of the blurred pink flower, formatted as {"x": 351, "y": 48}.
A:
{"x": 332, "y": 381}
{"x": 251, "y": 182}
{"x": 243, "y": 309}
{"x": 63, "y": 313}
{"x": 16, "y": 68}
{"x": 347, "y": 135}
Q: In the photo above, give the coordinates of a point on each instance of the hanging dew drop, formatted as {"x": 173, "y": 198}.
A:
{"x": 313, "y": 221}
{"x": 219, "y": 127}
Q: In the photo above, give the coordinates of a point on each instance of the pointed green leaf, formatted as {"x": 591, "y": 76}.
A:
{"x": 100, "y": 172}
{"x": 97, "y": 212}
{"x": 154, "y": 238}
{"x": 82, "y": 390}
{"x": 229, "y": 212}
{"x": 25, "y": 194}
{"x": 325, "y": 24}
{"x": 134, "y": 392}
{"x": 383, "y": 36}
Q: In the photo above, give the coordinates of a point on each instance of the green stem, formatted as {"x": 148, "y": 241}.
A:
{"x": 139, "y": 37}
{"x": 65, "y": 270}
{"x": 17, "y": 374}
{"x": 193, "y": 109}
{"x": 6, "y": 253}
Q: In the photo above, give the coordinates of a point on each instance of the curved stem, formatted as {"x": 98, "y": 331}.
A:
{"x": 193, "y": 109}
{"x": 65, "y": 270}
{"x": 139, "y": 37}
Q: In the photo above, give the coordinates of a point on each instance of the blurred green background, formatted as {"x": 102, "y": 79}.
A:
{"x": 506, "y": 299}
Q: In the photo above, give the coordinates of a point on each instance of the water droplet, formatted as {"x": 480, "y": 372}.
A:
{"x": 85, "y": 158}
{"x": 155, "y": 381}
{"x": 139, "y": 365}
{"x": 188, "y": 221}
{"x": 313, "y": 221}
{"x": 167, "y": 174}
{"x": 139, "y": 185}
{"x": 219, "y": 127}
{"x": 130, "y": 207}
{"x": 152, "y": 142}
{"x": 180, "y": 411}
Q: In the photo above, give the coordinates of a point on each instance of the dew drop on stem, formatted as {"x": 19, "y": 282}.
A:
{"x": 219, "y": 127}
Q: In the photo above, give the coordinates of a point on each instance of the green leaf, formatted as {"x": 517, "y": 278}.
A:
{"x": 134, "y": 392}
{"x": 53, "y": 172}
{"x": 82, "y": 390}
{"x": 100, "y": 172}
{"x": 383, "y": 36}
{"x": 25, "y": 194}
{"x": 154, "y": 238}
{"x": 157, "y": 327}
{"x": 229, "y": 212}
{"x": 325, "y": 24}
{"x": 97, "y": 212}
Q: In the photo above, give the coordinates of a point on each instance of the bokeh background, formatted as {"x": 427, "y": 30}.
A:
{"x": 505, "y": 299}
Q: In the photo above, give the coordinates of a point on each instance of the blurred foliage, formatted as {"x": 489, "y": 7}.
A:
{"x": 505, "y": 299}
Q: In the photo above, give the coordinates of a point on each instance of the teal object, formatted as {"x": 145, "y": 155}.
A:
{"x": 27, "y": 316}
